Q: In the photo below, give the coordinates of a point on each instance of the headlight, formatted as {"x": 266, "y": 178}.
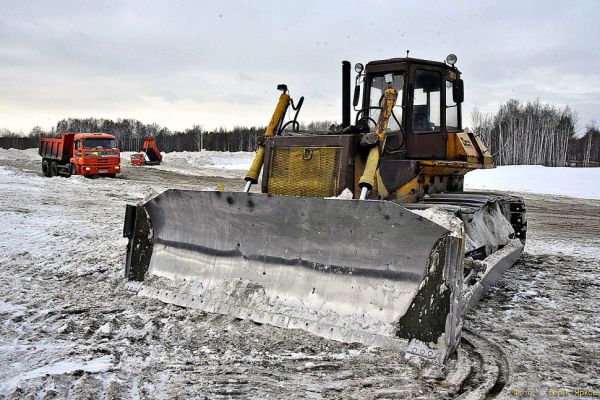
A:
{"x": 87, "y": 168}
{"x": 451, "y": 59}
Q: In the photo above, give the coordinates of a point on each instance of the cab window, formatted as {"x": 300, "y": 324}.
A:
{"x": 451, "y": 109}
{"x": 426, "y": 102}
{"x": 377, "y": 86}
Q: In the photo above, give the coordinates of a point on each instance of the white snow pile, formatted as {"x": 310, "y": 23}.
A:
{"x": 205, "y": 158}
{"x": 207, "y": 163}
{"x": 14, "y": 154}
{"x": 443, "y": 218}
{"x": 563, "y": 181}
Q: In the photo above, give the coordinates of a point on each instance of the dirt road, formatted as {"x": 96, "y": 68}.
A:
{"x": 70, "y": 329}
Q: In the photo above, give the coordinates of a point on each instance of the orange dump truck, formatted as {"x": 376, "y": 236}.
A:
{"x": 87, "y": 154}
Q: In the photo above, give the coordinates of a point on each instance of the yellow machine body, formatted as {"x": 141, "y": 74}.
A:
{"x": 359, "y": 235}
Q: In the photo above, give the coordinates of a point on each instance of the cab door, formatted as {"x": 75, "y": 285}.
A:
{"x": 77, "y": 149}
{"x": 427, "y": 134}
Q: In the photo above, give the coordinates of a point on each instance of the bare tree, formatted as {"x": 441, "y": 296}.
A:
{"x": 198, "y": 134}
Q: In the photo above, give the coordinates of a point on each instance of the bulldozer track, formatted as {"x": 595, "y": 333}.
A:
{"x": 488, "y": 371}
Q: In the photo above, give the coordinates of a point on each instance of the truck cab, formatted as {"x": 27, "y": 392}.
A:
{"x": 95, "y": 154}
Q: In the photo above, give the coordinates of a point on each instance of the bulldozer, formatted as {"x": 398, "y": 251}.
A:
{"x": 361, "y": 233}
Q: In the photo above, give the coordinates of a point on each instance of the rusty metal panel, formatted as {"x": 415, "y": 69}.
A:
{"x": 346, "y": 143}
{"x": 60, "y": 149}
{"x": 305, "y": 171}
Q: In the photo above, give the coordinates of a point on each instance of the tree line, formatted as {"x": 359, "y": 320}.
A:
{"x": 518, "y": 133}
{"x": 537, "y": 134}
{"x": 131, "y": 134}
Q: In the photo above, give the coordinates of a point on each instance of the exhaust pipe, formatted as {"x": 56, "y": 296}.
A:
{"x": 345, "y": 94}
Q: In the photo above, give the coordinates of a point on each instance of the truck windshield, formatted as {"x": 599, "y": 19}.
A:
{"x": 99, "y": 143}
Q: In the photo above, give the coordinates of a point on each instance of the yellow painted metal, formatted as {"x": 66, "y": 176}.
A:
{"x": 305, "y": 171}
{"x": 278, "y": 114}
{"x": 435, "y": 176}
{"x": 408, "y": 192}
{"x": 381, "y": 189}
{"x": 460, "y": 147}
{"x": 439, "y": 167}
{"x": 488, "y": 161}
{"x": 368, "y": 177}
{"x": 420, "y": 185}
{"x": 389, "y": 97}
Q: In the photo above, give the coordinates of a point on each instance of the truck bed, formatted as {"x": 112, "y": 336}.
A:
{"x": 59, "y": 149}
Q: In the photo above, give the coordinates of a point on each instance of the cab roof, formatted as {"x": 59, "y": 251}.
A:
{"x": 410, "y": 60}
{"x": 94, "y": 135}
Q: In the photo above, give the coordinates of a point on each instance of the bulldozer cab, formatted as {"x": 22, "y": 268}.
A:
{"x": 427, "y": 109}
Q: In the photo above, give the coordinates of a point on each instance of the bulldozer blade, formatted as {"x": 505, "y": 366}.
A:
{"x": 349, "y": 270}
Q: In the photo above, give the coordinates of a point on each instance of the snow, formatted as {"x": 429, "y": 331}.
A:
{"x": 100, "y": 364}
{"x": 14, "y": 154}
{"x": 563, "y": 181}
{"x": 442, "y": 218}
{"x": 206, "y": 163}
{"x": 69, "y": 328}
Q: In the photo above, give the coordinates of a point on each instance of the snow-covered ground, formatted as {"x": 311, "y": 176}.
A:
{"x": 562, "y": 181}
{"x": 69, "y": 328}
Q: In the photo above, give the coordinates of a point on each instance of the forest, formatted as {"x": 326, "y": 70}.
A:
{"x": 537, "y": 134}
{"x": 518, "y": 133}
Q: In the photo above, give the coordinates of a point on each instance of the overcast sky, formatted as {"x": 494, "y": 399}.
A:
{"x": 179, "y": 63}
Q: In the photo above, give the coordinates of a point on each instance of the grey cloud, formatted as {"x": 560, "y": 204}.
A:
{"x": 218, "y": 57}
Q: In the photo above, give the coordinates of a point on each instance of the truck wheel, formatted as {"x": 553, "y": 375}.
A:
{"x": 53, "y": 169}
{"x": 73, "y": 169}
{"x": 112, "y": 175}
{"x": 45, "y": 168}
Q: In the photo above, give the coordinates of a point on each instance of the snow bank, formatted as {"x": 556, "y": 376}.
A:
{"x": 573, "y": 182}
{"x": 207, "y": 163}
{"x": 223, "y": 159}
{"x": 14, "y": 154}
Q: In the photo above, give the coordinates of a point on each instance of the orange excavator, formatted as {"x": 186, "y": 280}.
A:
{"x": 150, "y": 154}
